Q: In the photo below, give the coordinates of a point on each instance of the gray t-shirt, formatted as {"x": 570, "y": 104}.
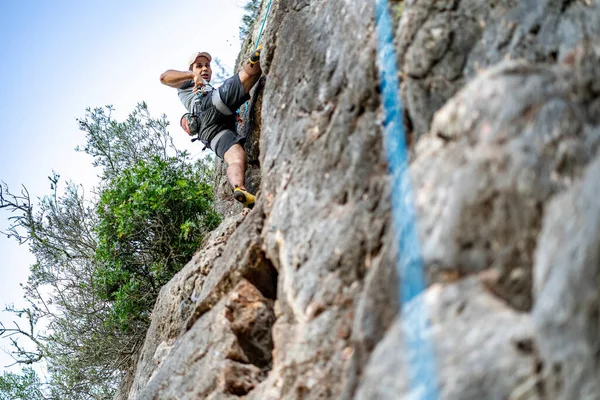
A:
{"x": 211, "y": 120}
{"x": 187, "y": 96}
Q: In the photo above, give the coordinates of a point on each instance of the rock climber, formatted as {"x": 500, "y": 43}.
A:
{"x": 211, "y": 112}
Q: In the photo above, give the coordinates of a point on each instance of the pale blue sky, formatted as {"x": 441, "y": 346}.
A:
{"x": 60, "y": 56}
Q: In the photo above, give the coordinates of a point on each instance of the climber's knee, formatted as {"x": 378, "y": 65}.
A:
{"x": 235, "y": 155}
{"x": 222, "y": 143}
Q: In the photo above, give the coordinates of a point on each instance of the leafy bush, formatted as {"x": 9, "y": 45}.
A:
{"x": 151, "y": 219}
{"x": 249, "y": 18}
{"x": 24, "y": 386}
{"x": 101, "y": 262}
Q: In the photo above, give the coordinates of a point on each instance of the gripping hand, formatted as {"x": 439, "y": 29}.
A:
{"x": 255, "y": 58}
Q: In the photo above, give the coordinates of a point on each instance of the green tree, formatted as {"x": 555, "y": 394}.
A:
{"x": 116, "y": 146}
{"x": 65, "y": 319}
{"x": 24, "y": 386}
{"x": 251, "y": 8}
{"x": 87, "y": 300}
{"x": 151, "y": 219}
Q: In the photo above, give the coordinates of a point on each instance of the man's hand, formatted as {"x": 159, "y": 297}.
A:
{"x": 255, "y": 58}
{"x": 198, "y": 83}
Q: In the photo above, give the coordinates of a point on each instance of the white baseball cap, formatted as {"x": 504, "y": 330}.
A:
{"x": 194, "y": 56}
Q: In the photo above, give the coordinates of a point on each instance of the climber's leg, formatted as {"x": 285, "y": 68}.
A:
{"x": 235, "y": 157}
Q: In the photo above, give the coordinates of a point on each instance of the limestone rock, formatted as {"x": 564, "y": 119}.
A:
{"x": 497, "y": 153}
{"x": 319, "y": 244}
{"x": 483, "y": 349}
{"x": 173, "y": 306}
{"x": 221, "y": 356}
{"x": 567, "y": 291}
{"x": 324, "y": 190}
{"x": 444, "y": 44}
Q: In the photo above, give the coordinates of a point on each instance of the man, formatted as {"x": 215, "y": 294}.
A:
{"x": 215, "y": 112}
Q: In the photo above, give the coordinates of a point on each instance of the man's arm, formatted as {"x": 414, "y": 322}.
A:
{"x": 175, "y": 78}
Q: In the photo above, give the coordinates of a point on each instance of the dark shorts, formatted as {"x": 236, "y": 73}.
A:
{"x": 219, "y": 122}
{"x": 225, "y": 141}
{"x": 232, "y": 93}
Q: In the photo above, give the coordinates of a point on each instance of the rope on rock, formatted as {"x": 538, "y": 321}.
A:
{"x": 257, "y": 43}
{"x": 263, "y": 25}
{"x": 419, "y": 350}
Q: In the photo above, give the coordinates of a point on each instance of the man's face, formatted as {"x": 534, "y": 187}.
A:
{"x": 202, "y": 66}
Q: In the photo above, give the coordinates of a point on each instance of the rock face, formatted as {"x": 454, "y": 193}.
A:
{"x": 235, "y": 331}
{"x": 221, "y": 355}
{"x": 298, "y": 298}
{"x": 443, "y": 44}
{"x": 474, "y": 358}
{"x": 567, "y": 291}
{"x": 497, "y": 152}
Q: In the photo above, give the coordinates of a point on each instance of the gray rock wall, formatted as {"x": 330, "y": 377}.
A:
{"x": 567, "y": 291}
{"x": 297, "y": 299}
{"x": 475, "y": 358}
{"x": 444, "y": 44}
{"x": 497, "y": 152}
{"x": 325, "y": 190}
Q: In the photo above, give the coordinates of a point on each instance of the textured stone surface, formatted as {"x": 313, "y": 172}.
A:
{"x": 475, "y": 359}
{"x": 222, "y": 355}
{"x": 243, "y": 258}
{"x": 319, "y": 241}
{"x": 497, "y": 152}
{"x": 229, "y": 258}
{"x": 174, "y": 306}
{"x": 444, "y": 44}
{"x": 324, "y": 190}
{"x": 567, "y": 289}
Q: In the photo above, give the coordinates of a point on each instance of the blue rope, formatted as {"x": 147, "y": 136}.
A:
{"x": 263, "y": 25}
{"x": 258, "y": 42}
{"x": 422, "y": 373}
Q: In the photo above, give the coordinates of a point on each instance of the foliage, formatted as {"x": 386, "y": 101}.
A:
{"x": 72, "y": 340}
{"x": 249, "y": 18}
{"x": 116, "y": 146}
{"x": 24, "y": 386}
{"x": 152, "y": 218}
{"x": 85, "y": 321}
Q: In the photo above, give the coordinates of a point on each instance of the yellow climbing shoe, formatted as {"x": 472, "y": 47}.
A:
{"x": 244, "y": 197}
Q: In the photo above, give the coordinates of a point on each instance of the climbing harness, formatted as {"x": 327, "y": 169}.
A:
{"x": 191, "y": 121}
{"x": 422, "y": 373}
